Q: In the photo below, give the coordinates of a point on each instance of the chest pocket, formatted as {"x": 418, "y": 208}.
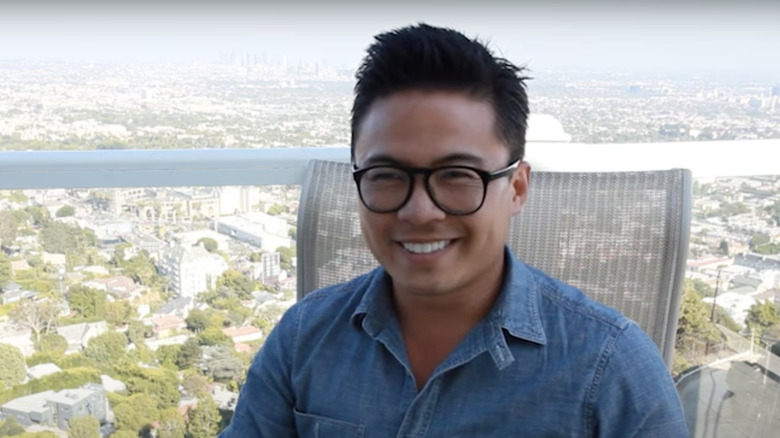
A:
{"x": 315, "y": 426}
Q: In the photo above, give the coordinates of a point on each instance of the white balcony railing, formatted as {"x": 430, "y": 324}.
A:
{"x": 215, "y": 167}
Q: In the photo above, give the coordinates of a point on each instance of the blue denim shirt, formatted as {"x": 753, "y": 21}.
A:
{"x": 545, "y": 362}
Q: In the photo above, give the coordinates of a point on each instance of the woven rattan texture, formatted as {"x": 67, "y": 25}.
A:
{"x": 620, "y": 237}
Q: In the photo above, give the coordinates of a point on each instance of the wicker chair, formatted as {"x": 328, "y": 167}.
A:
{"x": 621, "y": 237}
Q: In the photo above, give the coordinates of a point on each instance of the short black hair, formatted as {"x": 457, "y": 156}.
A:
{"x": 428, "y": 57}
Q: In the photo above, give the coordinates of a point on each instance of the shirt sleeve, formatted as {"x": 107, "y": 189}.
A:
{"x": 633, "y": 392}
{"x": 265, "y": 404}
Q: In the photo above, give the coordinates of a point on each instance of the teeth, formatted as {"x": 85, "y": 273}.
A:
{"x": 424, "y": 248}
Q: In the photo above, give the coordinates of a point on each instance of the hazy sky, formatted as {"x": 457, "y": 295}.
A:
{"x": 716, "y": 37}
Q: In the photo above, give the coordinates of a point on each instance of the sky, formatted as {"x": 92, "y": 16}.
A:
{"x": 716, "y": 37}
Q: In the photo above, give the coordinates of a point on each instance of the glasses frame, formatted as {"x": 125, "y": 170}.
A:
{"x": 486, "y": 176}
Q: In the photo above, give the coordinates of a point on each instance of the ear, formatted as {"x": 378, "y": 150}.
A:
{"x": 520, "y": 181}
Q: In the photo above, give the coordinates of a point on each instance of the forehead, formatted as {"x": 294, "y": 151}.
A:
{"x": 423, "y": 126}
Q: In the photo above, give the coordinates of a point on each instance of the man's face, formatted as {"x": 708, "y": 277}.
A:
{"x": 426, "y": 251}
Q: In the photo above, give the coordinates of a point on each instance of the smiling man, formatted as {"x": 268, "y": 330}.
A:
{"x": 452, "y": 336}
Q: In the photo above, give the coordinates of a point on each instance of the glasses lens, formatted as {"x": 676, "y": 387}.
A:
{"x": 384, "y": 188}
{"x": 458, "y": 190}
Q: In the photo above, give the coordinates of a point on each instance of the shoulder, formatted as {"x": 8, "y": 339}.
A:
{"x": 561, "y": 300}
{"x": 329, "y": 305}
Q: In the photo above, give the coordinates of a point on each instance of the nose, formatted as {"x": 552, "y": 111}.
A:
{"x": 420, "y": 208}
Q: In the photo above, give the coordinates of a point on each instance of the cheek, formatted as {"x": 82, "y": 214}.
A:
{"x": 373, "y": 226}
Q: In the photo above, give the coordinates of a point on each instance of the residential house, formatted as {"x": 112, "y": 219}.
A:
{"x": 78, "y": 335}
{"x": 191, "y": 270}
{"x": 112, "y": 385}
{"x": 246, "y": 333}
{"x": 120, "y": 287}
{"x": 12, "y": 292}
{"x": 31, "y": 409}
{"x": 20, "y": 338}
{"x": 49, "y": 408}
{"x": 154, "y": 344}
{"x": 176, "y": 307}
{"x": 164, "y": 326}
{"x": 41, "y": 370}
{"x": 258, "y": 229}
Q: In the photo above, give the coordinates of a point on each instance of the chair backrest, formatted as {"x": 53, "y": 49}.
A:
{"x": 621, "y": 237}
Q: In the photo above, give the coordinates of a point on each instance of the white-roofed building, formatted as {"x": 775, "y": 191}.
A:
{"x": 191, "y": 270}
{"x": 41, "y": 370}
{"x": 258, "y": 229}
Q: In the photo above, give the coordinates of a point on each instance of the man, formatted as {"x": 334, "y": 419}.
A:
{"x": 452, "y": 336}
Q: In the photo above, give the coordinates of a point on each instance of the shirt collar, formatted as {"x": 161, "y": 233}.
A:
{"x": 516, "y": 310}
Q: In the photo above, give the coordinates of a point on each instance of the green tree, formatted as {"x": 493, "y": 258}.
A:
{"x": 38, "y": 316}
{"x": 213, "y": 336}
{"x": 11, "y": 427}
{"x": 237, "y": 283}
{"x": 118, "y": 313}
{"x": 108, "y": 348}
{"x": 223, "y": 366}
{"x": 83, "y": 427}
{"x": 57, "y": 237}
{"x": 758, "y": 240}
{"x": 197, "y": 321}
{"x": 65, "y": 211}
{"x": 286, "y": 255}
{"x": 6, "y": 273}
{"x": 209, "y": 244}
{"x": 190, "y": 354}
{"x": 87, "y": 303}
{"x": 136, "y": 413}
{"x": 694, "y": 328}
{"x": 204, "y": 419}
{"x": 276, "y": 209}
{"x": 142, "y": 270}
{"x": 762, "y": 316}
{"x": 159, "y": 383}
{"x": 52, "y": 343}
{"x": 137, "y": 332}
{"x": 12, "y": 366}
{"x": 702, "y": 288}
{"x": 171, "y": 424}
{"x": 167, "y": 356}
{"x": 194, "y": 384}
{"x": 238, "y": 315}
{"x": 118, "y": 258}
{"x": 18, "y": 197}
{"x": 39, "y": 216}
{"x": 9, "y": 226}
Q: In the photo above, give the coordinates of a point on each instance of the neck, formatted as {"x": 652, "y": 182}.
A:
{"x": 464, "y": 307}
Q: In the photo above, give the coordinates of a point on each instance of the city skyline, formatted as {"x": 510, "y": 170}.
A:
{"x": 716, "y": 38}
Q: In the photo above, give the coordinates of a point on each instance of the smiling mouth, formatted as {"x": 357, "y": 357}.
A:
{"x": 425, "y": 248}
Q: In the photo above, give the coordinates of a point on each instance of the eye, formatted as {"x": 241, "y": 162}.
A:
{"x": 385, "y": 175}
{"x": 456, "y": 174}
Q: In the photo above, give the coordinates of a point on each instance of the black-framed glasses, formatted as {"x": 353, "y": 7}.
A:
{"x": 456, "y": 190}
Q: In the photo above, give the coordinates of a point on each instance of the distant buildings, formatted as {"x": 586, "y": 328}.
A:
{"x": 257, "y": 229}
{"x": 120, "y": 287}
{"x": 12, "y": 292}
{"x": 191, "y": 270}
{"x": 49, "y": 408}
{"x": 78, "y": 335}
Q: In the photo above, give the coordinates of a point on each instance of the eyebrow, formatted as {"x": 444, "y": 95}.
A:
{"x": 447, "y": 159}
